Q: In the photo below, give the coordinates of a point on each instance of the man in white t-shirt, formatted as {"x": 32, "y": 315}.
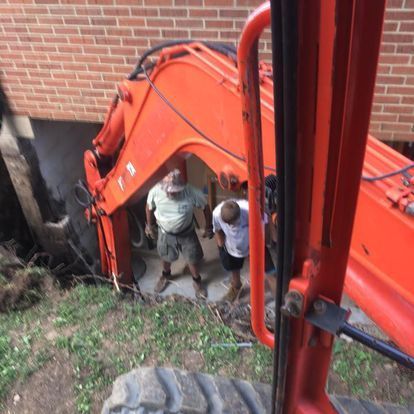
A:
{"x": 231, "y": 230}
{"x": 172, "y": 203}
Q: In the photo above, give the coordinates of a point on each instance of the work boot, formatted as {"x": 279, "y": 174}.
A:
{"x": 232, "y": 294}
{"x": 199, "y": 289}
{"x": 163, "y": 282}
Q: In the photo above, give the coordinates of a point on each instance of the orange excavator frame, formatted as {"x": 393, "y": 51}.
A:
{"x": 195, "y": 100}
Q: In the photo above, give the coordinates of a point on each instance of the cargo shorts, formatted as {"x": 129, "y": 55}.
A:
{"x": 170, "y": 246}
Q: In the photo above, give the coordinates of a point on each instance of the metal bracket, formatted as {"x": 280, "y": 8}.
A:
{"x": 332, "y": 318}
{"x": 327, "y": 316}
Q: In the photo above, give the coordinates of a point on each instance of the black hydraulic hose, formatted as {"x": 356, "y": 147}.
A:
{"x": 191, "y": 124}
{"x": 378, "y": 345}
{"x": 284, "y": 22}
{"x": 223, "y": 48}
{"x": 277, "y": 55}
{"x": 387, "y": 175}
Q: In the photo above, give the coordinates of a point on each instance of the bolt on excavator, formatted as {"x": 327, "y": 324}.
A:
{"x": 344, "y": 200}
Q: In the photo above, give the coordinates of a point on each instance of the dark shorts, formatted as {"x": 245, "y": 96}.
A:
{"x": 270, "y": 267}
{"x": 170, "y": 246}
{"x": 230, "y": 262}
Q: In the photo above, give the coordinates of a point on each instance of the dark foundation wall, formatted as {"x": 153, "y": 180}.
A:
{"x": 13, "y": 226}
{"x": 57, "y": 149}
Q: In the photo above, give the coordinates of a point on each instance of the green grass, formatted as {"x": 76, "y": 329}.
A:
{"x": 102, "y": 336}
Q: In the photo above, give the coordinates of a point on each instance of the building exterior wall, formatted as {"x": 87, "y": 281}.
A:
{"x": 61, "y": 59}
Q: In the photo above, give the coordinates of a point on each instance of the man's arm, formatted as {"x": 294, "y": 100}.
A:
{"x": 150, "y": 229}
{"x": 220, "y": 238}
{"x": 208, "y": 231}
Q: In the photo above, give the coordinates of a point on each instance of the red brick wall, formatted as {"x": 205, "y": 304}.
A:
{"x": 392, "y": 116}
{"x": 61, "y": 60}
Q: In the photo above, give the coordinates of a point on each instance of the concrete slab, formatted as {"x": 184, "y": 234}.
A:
{"x": 217, "y": 281}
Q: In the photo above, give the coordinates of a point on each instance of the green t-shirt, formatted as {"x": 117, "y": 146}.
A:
{"x": 175, "y": 214}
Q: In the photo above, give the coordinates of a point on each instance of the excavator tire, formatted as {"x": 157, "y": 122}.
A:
{"x": 165, "y": 390}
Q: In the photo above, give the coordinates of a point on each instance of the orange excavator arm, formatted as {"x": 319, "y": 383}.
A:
{"x": 188, "y": 102}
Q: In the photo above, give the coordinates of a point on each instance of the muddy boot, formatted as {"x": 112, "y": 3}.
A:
{"x": 163, "y": 282}
{"x": 232, "y": 294}
{"x": 199, "y": 289}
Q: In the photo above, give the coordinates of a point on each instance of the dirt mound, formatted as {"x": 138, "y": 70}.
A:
{"x": 20, "y": 285}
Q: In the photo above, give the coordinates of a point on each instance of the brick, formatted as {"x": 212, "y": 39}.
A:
{"x": 134, "y": 41}
{"x": 22, "y": 19}
{"x": 158, "y": 3}
{"x": 173, "y": 12}
{"x": 403, "y": 70}
{"x": 92, "y": 31}
{"x": 397, "y": 38}
{"x": 113, "y": 31}
{"x": 394, "y": 4}
{"x": 400, "y": 15}
{"x": 63, "y": 75}
{"x": 104, "y": 21}
{"x": 123, "y": 51}
{"x": 159, "y": 22}
{"x": 203, "y": 34}
{"x": 188, "y": 2}
{"x": 384, "y": 117}
{"x": 396, "y": 127}
{"x": 107, "y": 40}
{"x": 399, "y": 109}
{"x": 79, "y": 21}
{"x": 62, "y": 11}
{"x": 394, "y": 59}
{"x": 103, "y": 85}
{"x": 147, "y": 32}
{"x": 88, "y": 11}
{"x": 174, "y": 34}
{"x": 390, "y": 80}
{"x": 214, "y": 3}
{"x": 387, "y": 99}
{"x": 82, "y": 40}
{"x": 203, "y": 13}
{"x": 405, "y": 49}
{"x": 95, "y": 50}
{"x": 111, "y": 59}
{"x": 69, "y": 49}
{"x": 407, "y": 119}
{"x": 41, "y": 30}
{"x": 401, "y": 90}
{"x": 388, "y": 48}
{"x": 400, "y": 136}
{"x": 99, "y": 68}
{"x": 219, "y": 24}
{"x": 142, "y": 11}
{"x": 407, "y": 27}
{"x": 116, "y": 11}
{"x": 51, "y": 20}
{"x": 131, "y": 21}
{"x": 234, "y": 13}
{"x": 188, "y": 23}
{"x": 35, "y": 10}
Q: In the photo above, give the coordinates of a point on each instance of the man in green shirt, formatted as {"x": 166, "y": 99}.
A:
{"x": 172, "y": 203}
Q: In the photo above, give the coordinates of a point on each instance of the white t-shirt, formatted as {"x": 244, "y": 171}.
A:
{"x": 237, "y": 236}
{"x": 175, "y": 214}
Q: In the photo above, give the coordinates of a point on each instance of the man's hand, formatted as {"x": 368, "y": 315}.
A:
{"x": 151, "y": 231}
{"x": 208, "y": 232}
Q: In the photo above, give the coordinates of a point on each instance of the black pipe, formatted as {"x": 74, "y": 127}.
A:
{"x": 378, "y": 345}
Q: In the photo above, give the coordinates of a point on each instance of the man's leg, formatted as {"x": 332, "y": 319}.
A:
{"x": 233, "y": 265}
{"x": 168, "y": 253}
{"x": 235, "y": 279}
{"x": 193, "y": 253}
